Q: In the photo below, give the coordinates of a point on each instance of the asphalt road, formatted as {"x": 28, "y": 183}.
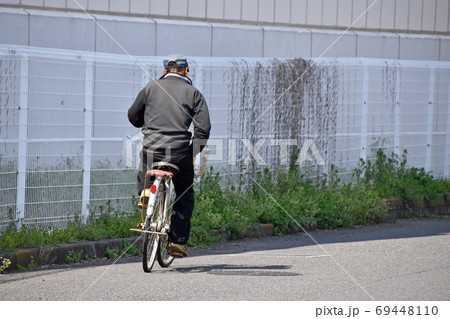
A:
{"x": 408, "y": 260}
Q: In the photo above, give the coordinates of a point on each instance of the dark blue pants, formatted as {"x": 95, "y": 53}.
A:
{"x": 184, "y": 202}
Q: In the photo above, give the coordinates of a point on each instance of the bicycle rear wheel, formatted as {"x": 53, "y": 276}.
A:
{"x": 149, "y": 251}
{"x": 164, "y": 258}
{"x": 151, "y": 241}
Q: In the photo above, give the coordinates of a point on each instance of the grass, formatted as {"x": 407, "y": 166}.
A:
{"x": 74, "y": 256}
{"x": 390, "y": 177}
{"x": 293, "y": 199}
{"x": 287, "y": 200}
{"x": 107, "y": 225}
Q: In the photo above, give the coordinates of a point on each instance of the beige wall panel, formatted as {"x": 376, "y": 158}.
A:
{"x": 442, "y": 20}
{"x": 314, "y": 12}
{"x": 359, "y": 11}
{"x": 250, "y": 10}
{"x": 298, "y": 11}
{"x": 178, "y": 8}
{"x": 344, "y": 18}
{"x": 282, "y": 11}
{"x": 197, "y": 8}
{"x": 429, "y": 15}
{"x": 232, "y": 10}
{"x": 415, "y": 15}
{"x": 401, "y": 14}
{"x": 329, "y": 13}
{"x": 374, "y": 15}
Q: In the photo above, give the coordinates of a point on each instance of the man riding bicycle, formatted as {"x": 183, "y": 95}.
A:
{"x": 165, "y": 109}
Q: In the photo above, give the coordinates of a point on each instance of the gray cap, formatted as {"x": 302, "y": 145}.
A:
{"x": 179, "y": 60}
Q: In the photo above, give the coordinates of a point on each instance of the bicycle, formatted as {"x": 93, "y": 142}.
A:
{"x": 156, "y": 226}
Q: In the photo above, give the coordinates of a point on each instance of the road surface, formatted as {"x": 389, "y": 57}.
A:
{"x": 408, "y": 260}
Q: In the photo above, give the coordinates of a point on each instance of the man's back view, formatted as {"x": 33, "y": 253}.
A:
{"x": 165, "y": 109}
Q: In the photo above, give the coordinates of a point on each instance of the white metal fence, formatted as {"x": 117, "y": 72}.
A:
{"x": 66, "y": 145}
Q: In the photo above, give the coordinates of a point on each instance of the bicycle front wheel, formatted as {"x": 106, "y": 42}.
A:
{"x": 151, "y": 241}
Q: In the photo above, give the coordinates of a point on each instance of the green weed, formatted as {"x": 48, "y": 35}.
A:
{"x": 32, "y": 264}
{"x": 20, "y": 267}
{"x": 130, "y": 249}
{"x": 86, "y": 257}
{"x": 74, "y": 256}
{"x": 390, "y": 177}
{"x": 292, "y": 200}
{"x": 112, "y": 253}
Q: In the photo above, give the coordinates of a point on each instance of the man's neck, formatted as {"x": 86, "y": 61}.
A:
{"x": 178, "y": 75}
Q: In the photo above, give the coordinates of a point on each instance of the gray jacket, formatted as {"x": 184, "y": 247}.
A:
{"x": 165, "y": 109}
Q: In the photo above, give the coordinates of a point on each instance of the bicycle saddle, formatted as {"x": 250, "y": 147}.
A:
{"x": 165, "y": 166}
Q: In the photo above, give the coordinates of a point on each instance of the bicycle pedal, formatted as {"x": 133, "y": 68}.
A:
{"x": 177, "y": 255}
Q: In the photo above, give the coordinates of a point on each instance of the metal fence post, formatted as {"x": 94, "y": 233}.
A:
{"x": 22, "y": 142}
{"x": 447, "y": 136}
{"x": 88, "y": 96}
{"x": 397, "y": 112}
{"x": 430, "y": 110}
{"x": 365, "y": 97}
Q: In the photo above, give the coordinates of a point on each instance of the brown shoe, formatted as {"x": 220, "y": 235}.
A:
{"x": 143, "y": 200}
{"x": 176, "y": 250}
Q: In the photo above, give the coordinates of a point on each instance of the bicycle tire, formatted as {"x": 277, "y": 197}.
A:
{"x": 164, "y": 258}
{"x": 151, "y": 241}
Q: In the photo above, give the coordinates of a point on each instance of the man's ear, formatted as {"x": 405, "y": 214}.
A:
{"x": 164, "y": 71}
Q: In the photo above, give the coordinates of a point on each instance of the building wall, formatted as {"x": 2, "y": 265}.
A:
{"x": 126, "y": 34}
{"x": 428, "y": 16}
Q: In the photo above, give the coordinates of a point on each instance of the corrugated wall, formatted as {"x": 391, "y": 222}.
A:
{"x": 430, "y": 16}
{"x": 402, "y": 29}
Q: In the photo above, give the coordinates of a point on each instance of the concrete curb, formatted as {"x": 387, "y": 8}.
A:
{"x": 57, "y": 254}
{"x": 96, "y": 249}
{"x": 397, "y": 208}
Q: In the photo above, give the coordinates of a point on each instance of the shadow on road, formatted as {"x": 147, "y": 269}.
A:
{"x": 239, "y": 270}
{"x": 404, "y": 228}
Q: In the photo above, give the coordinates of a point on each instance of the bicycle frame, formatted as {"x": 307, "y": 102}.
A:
{"x": 156, "y": 228}
{"x": 166, "y": 178}
{"x": 164, "y": 227}
{"x": 153, "y": 196}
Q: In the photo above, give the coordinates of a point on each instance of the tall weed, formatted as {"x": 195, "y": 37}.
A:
{"x": 389, "y": 176}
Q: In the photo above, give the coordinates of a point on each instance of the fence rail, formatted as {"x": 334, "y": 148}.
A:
{"x": 67, "y": 148}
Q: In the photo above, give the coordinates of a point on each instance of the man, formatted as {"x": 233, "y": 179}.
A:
{"x": 165, "y": 109}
